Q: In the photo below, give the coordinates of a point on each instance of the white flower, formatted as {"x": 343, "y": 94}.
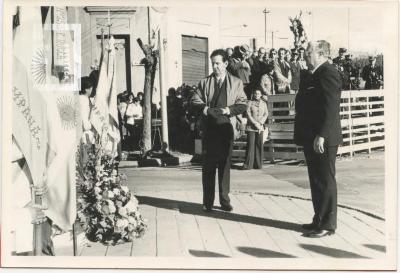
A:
{"x": 97, "y": 190}
{"x": 123, "y": 211}
{"x": 111, "y": 207}
{"x": 132, "y": 205}
{"x": 131, "y": 227}
{"x": 125, "y": 189}
{"x": 116, "y": 191}
{"x": 103, "y": 224}
{"x": 110, "y": 194}
{"x": 121, "y": 224}
{"x": 132, "y": 220}
{"x": 105, "y": 209}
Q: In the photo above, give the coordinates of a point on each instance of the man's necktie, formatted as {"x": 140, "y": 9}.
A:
{"x": 219, "y": 83}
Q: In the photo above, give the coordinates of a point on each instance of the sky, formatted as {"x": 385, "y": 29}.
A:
{"x": 351, "y": 28}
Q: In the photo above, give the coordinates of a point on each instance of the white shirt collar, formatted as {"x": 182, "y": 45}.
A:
{"x": 222, "y": 78}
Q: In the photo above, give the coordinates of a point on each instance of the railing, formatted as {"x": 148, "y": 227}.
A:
{"x": 362, "y": 120}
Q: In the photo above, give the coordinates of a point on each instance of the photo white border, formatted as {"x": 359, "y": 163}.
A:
{"x": 391, "y": 72}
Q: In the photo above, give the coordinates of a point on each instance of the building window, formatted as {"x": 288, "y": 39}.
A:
{"x": 194, "y": 59}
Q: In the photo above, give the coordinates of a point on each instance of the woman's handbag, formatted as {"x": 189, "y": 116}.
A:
{"x": 265, "y": 134}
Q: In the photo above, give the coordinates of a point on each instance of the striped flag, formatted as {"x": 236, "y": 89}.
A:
{"x": 104, "y": 115}
{"x": 29, "y": 108}
{"x": 64, "y": 129}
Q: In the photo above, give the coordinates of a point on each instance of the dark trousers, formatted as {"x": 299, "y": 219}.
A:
{"x": 321, "y": 172}
{"x": 254, "y": 151}
{"x": 218, "y": 144}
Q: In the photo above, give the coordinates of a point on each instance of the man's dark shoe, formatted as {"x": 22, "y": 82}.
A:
{"x": 227, "y": 207}
{"x": 318, "y": 233}
{"x": 207, "y": 209}
{"x": 309, "y": 226}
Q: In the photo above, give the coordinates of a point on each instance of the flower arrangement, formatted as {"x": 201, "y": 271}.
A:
{"x": 107, "y": 209}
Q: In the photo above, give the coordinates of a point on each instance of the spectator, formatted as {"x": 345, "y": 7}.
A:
{"x": 229, "y": 51}
{"x": 133, "y": 113}
{"x": 139, "y": 97}
{"x": 172, "y": 117}
{"x": 372, "y": 75}
{"x": 350, "y": 72}
{"x": 282, "y": 74}
{"x": 301, "y": 59}
{"x": 258, "y": 68}
{"x": 121, "y": 105}
{"x": 239, "y": 67}
{"x": 339, "y": 63}
{"x": 257, "y": 113}
{"x": 295, "y": 69}
{"x": 267, "y": 84}
{"x": 272, "y": 57}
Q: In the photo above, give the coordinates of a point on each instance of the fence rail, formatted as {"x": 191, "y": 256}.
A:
{"x": 362, "y": 121}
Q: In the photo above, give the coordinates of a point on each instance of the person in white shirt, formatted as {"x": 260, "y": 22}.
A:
{"x": 86, "y": 102}
{"x": 133, "y": 112}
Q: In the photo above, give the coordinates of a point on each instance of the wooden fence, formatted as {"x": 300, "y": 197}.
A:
{"x": 362, "y": 120}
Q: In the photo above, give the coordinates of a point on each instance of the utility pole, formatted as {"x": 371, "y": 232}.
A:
{"x": 272, "y": 39}
{"x": 163, "y": 95}
{"x": 265, "y": 11}
{"x": 149, "y": 25}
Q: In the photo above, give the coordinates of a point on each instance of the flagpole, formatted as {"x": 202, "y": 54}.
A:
{"x": 163, "y": 95}
{"x": 39, "y": 219}
{"x": 102, "y": 47}
{"x": 74, "y": 240}
{"x": 37, "y": 200}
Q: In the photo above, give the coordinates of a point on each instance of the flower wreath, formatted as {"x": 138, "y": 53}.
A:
{"x": 107, "y": 210}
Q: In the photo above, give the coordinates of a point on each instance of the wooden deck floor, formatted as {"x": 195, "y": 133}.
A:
{"x": 260, "y": 226}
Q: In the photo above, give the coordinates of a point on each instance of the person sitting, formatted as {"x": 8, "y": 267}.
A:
{"x": 257, "y": 114}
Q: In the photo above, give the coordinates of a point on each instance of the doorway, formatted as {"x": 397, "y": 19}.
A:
{"x": 123, "y": 61}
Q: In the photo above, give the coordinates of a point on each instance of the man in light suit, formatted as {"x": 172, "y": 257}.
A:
{"x": 219, "y": 99}
{"x": 283, "y": 76}
{"x": 318, "y": 130}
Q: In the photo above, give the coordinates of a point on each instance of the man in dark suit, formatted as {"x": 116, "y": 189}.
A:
{"x": 372, "y": 74}
{"x": 219, "y": 99}
{"x": 318, "y": 130}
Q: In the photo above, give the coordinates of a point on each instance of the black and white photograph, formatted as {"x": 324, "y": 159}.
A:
{"x": 209, "y": 135}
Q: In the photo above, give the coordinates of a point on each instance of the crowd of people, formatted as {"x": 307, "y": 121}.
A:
{"x": 277, "y": 71}
{"x": 130, "y": 119}
{"x": 273, "y": 71}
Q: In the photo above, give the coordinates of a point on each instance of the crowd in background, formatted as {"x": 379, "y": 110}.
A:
{"x": 130, "y": 119}
{"x": 273, "y": 71}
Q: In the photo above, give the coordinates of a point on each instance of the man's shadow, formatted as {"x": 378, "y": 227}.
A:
{"x": 196, "y": 209}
